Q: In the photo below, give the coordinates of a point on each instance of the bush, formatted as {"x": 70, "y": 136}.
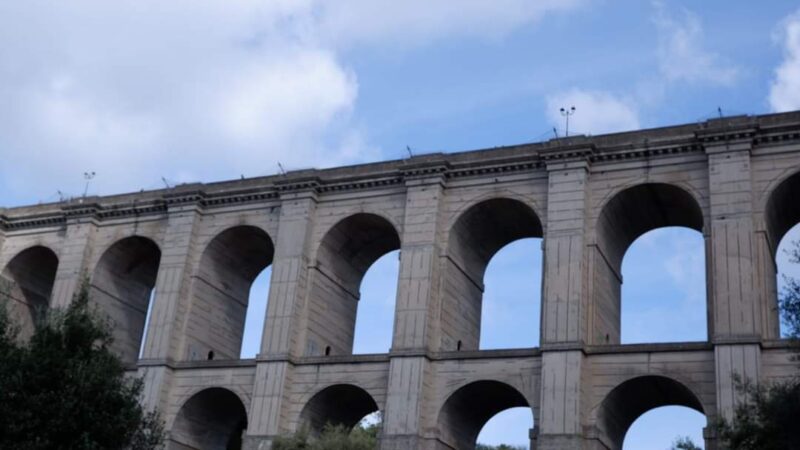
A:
{"x": 65, "y": 388}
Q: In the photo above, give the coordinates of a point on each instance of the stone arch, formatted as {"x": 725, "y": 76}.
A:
{"x": 506, "y": 194}
{"x": 627, "y": 215}
{"x": 340, "y": 404}
{"x": 211, "y": 419}
{"x": 781, "y": 212}
{"x": 636, "y": 396}
{"x": 635, "y": 210}
{"x": 345, "y": 253}
{"x": 475, "y": 237}
{"x": 221, "y": 283}
{"x": 28, "y": 281}
{"x": 470, "y": 407}
{"x": 121, "y": 285}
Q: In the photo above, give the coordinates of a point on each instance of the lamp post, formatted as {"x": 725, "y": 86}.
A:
{"x": 88, "y": 177}
{"x": 566, "y": 113}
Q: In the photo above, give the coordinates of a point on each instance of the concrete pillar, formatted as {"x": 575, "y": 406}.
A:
{"x": 2, "y": 232}
{"x": 283, "y": 328}
{"x": 565, "y": 311}
{"x": 415, "y": 316}
{"x": 163, "y": 339}
{"x": 562, "y": 406}
{"x": 74, "y": 258}
{"x": 736, "y": 304}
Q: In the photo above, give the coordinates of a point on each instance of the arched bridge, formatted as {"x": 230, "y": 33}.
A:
{"x": 199, "y": 247}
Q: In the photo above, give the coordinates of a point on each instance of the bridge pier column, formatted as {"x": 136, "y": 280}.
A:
{"x": 162, "y": 343}
{"x": 283, "y": 328}
{"x": 560, "y": 414}
{"x": 738, "y": 301}
{"x": 73, "y": 260}
{"x": 406, "y": 421}
{"x": 565, "y": 310}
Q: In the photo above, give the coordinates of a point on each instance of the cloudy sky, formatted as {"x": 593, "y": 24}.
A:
{"x": 202, "y": 91}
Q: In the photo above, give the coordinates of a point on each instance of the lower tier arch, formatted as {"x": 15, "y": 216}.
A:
{"x": 212, "y": 419}
{"x": 634, "y": 397}
{"x": 469, "y": 408}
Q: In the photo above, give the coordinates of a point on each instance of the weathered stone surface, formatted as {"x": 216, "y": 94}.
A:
{"x": 735, "y": 180}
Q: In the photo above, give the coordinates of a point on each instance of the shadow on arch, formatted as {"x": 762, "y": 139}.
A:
{"x": 345, "y": 254}
{"x": 121, "y": 285}
{"x": 468, "y": 409}
{"x": 631, "y": 399}
{"x": 782, "y": 217}
{"x": 628, "y": 215}
{"x": 212, "y": 419}
{"x": 28, "y": 284}
{"x": 477, "y": 235}
{"x": 221, "y": 292}
{"x": 781, "y": 211}
{"x": 340, "y": 404}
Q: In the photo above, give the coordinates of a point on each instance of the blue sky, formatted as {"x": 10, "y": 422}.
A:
{"x": 204, "y": 91}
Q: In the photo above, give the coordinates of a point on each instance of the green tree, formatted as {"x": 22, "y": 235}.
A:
{"x": 333, "y": 437}
{"x": 790, "y": 298}
{"x": 65, "y": 389}
{"x": 684, "y": 443}
{"x": 767, "y": 419}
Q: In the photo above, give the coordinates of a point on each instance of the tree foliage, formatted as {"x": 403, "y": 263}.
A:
{"x": 684, "y": 443}
{"x": 65, "y": 389}
{"x": 339, "y": 437}
{"x": 333, "y": 437}
{"x": 790, "y": 297}
{"x": 767, "y": 419}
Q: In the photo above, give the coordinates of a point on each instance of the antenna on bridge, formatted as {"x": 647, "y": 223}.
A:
{"x": 166, "y": 183}
{"x": 555, "y": 131}
{"x": 280, "y": 166}
{"x": 410, "y": 154}
{"x": 61, "y": 196}
{"x": 88, "y": 177}
{"x": 719, "y": 111}
{"x": 566, "y": 113}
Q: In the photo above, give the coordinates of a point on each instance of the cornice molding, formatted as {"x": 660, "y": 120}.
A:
{"x": 733, "y": 133}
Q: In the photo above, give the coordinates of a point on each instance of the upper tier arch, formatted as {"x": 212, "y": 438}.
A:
{"x": 29, "y": 277}
{"x": 781, "y": 211}
{"x": 221, "y": 283}
{"x": 345, "y": 253}
{"x": 121, "y": 285}
{"x": 635, "y": 210}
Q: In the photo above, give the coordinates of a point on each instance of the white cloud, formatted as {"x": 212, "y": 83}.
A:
{"x": 596, "y": 112}
{"x": 413, "y": 22}
{"x": 681, "y": 54}
{"x": 187, "y": 90}
{"x": 784, "y": 94}
{"x": 200, "y": 90}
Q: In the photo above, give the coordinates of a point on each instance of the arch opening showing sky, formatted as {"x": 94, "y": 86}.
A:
{"x": 376, "y": 307}
{"x": 256, "y": 314}
{"x": 664, "y": 275}
{"x": 512, "y": 296}
{"x": 510, "y": 427}
{"x": 787, "y": 268}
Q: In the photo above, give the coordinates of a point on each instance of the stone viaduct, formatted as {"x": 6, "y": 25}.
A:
{"x": 198, "y": 247}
